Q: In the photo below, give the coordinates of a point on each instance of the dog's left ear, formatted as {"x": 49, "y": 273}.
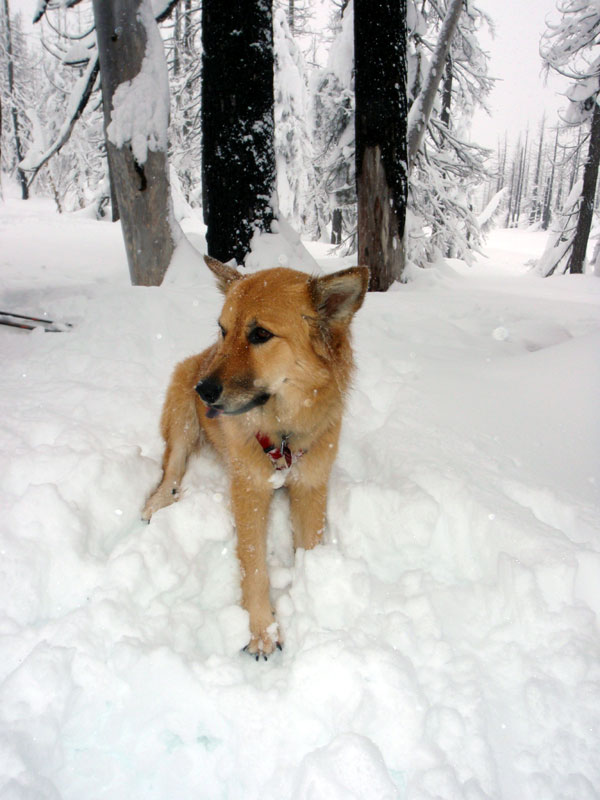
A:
{"x": 337, "y": 297}
{"x": 225, "y": 275}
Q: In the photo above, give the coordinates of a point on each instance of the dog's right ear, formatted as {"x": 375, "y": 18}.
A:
{"x": 225, "y": 275}
{"x": 336, "y": 297}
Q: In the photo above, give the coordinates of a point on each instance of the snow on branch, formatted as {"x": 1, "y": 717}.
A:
{"x": 420, "y": 112}
{"x": 46, "y": 5}
{"x": 140, "y": 107}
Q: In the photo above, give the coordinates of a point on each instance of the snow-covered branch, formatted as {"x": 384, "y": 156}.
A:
{"x": 35, "y": 158}
{"x": 420, "y": 112}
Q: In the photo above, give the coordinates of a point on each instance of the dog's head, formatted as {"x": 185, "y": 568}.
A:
{"x": 281, "y": 333}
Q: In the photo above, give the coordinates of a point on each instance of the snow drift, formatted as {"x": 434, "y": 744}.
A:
{"x": 443, "y": 642}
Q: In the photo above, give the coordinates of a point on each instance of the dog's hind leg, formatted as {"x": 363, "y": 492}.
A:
{"x": 182, "y": 434}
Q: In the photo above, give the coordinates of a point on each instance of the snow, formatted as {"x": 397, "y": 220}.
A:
{"x": 442, "y": 643}
{"x": 140, "y": 112}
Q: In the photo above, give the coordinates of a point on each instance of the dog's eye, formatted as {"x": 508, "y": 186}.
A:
{"x": 259, "y": 335}
{"x": 223, "y": 331}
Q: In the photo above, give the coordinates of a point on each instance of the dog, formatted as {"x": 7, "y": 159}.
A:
{"x": 269, "y": 396}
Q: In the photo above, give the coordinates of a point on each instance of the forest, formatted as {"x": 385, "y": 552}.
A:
{"x": 308, "y": 102}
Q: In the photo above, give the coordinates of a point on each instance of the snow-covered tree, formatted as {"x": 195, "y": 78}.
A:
{"x": 446, "y": 166}
{"x": 71, "y": 169}
{"x": 294, "y": 154}
{"x": 15, "y": 94}
{"x": 333, "y": 90}
{"x": 569, "y": 48}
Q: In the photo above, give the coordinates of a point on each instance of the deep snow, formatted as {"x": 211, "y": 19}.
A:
{"x": 443, "y": 642}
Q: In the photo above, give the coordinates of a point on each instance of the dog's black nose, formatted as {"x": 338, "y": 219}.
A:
{"x": 210, "y": 389}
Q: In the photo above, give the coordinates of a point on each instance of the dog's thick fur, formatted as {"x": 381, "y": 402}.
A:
{"x": 281, "y": 367}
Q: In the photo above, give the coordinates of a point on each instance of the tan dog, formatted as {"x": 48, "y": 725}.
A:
{"x": 269, "y": 397}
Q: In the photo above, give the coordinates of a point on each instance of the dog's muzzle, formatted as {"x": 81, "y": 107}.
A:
{"x": 210, "y": 391}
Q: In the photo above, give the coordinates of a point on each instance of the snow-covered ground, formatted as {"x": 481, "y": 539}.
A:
{"x": 443, "y": 643}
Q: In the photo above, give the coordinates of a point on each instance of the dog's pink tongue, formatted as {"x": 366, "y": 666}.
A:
{"x": 211, "y": 413}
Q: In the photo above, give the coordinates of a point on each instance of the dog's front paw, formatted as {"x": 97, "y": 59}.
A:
{"x": 263, "y": 642}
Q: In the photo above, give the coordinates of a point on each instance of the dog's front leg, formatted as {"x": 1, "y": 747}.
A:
{"x": 251, "y": 501}
{"x": 308, "y": 507}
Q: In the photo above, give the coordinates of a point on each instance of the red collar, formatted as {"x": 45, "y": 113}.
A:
{"x": 281, "y": 457}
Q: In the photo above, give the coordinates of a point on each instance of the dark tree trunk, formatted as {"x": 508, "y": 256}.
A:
{"x": 381, "y": 155}
{"x": 238, "y": 159}
{"x": 10, "y": 75}
{"x": 142, "y": 191}
{"x": 447, "y": 92}
{"x": 336, "y": 226}
{"x": 586, "y": 210}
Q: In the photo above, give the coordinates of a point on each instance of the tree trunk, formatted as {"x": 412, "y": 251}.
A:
{"x": 381, "y": 158}
{"x": 336, "y": 226}
{"x": 141, "y": 186}
{"x": 534, "y": 211}
{"x": 586, "y": 209}
{"x": 521, "y": 180}
{"x": 10, "y": 76}
{"x": 511, "y": 192}
{"x": 238, "y": 159}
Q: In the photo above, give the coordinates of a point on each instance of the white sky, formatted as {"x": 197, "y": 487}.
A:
{"x": 520, "y": 96}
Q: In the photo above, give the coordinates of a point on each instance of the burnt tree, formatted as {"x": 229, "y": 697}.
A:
{"x": 381, "y": 156}
{"x": 238, "y": 158}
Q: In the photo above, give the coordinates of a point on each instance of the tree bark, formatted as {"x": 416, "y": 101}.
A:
{"x": 238, "y": 158}
{"x": 142, "y": 189}
{"x": 586, "y": 210}
{"x": 381, "y": 159}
